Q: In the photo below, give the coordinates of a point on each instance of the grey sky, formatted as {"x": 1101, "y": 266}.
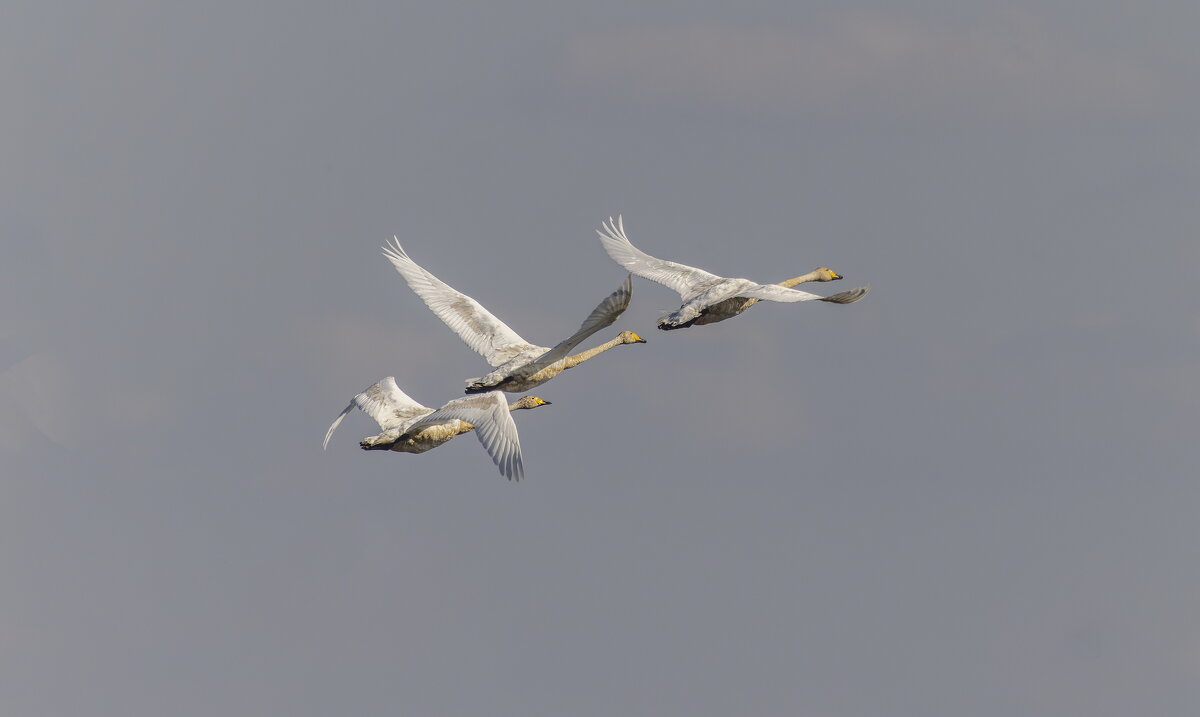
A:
{"x": 972, "y": 493}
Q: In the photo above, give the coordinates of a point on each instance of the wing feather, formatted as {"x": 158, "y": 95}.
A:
{"x": 384, "y": 402}
{"x": 494, "y": 427}
{"x": 684, "y": 279}
{"x": 483, "y": 332}
{"x": 605, "y": 313}
{"x": 849, "y": 296}
{"x": 336, "y": 422}
{"x": 772, "y": 292}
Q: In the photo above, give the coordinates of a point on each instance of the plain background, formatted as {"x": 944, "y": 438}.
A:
{"x": 972, "y": 493}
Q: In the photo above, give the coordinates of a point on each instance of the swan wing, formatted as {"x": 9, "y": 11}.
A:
{"x": 336, "y": 422}
{"x": 605, "y": 313}
{"x": 483, "y": 332}
{"x": 384, "y": 402}
{"x": 772, "y": 292}
{"x": 684, "y": 279}
{"x": 849, "y": 296}
{"x": 494, "y": 426}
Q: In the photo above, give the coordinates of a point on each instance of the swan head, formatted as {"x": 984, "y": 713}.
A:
{"x": 527, "y": 402}
{"x": 628, "y": 337}
{"x": 822, "y": 273}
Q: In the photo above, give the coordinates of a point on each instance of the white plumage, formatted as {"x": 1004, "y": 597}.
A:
{"x": 519, "y": 364}
{"x": 409, "y": 427}
{"x": 702, "y": 291}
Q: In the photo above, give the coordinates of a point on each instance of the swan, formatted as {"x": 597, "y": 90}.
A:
{"x": 519, "y": 364}
{"x": 409, "y": 427}
{"x": 708, "y": 298}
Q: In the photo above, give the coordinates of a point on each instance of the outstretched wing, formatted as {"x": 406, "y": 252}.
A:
{"x": 772, "y": 292}
{"x": 605, "y": 313}
{"x": 494, "y": 427}
{"x": 686, "y": 280}
{"x": 483, "y": 332}
{"x": 384, "y": 402}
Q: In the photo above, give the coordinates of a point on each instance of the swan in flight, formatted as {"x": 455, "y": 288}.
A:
{"x": 519, "y": 364}
{"x": 409, "y": 427}
{"x": 708, "y": 298}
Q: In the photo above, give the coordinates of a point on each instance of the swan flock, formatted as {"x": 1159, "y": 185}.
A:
{"x": 518, "y": 365}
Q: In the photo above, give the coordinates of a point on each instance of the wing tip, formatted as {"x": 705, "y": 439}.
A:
{"x": 613, "y": 229}
{"x": 848, "y": 296}
{"x": 393, "y": 251}
{"x": 336, "y": 422}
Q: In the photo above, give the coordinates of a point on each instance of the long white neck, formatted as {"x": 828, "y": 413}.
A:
{"x": 810, "y": 276}
{"x": 575, "y": 360}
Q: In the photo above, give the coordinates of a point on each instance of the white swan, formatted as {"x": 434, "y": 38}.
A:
{"x": 708, "y": 298}
{"x": 519, "y": 364}
{"x": 409, "y": 427}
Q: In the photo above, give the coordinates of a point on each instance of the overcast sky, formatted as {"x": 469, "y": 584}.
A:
{"x": 972, "y": 493}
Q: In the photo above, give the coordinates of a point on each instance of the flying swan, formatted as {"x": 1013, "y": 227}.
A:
{"x": 519, "y": 364}
{"x": 409, "y": 427}
{"x": 708, "y": 298}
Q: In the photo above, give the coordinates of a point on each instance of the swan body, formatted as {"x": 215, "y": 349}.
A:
{"x": 730, "y": 308}
{"x": 519, "y": 365}
{"x": 708, "y": 298}
{"x": 409, "y": 427}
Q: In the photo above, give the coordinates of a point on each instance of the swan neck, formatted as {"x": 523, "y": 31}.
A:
{"x": 582, "y": 356}
{"x": 789, "y": 283}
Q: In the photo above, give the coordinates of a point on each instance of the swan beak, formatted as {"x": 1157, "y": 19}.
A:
{"x": 545, "y": 402}
{"x": 836, "y": 276}
{"x": 638, "y": 339}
